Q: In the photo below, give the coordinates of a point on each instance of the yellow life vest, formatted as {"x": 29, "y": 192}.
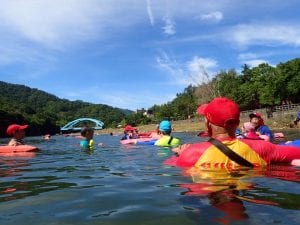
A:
{"x": 214, "y": 158}
{"x": 167, "y": 141}
{"x": 91, "y": 144}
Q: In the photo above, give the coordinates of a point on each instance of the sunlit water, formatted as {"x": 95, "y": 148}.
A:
{"x": 131, "y": 185}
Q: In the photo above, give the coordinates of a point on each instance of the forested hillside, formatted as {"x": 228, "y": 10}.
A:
{"x": 45, "y": 112}
{"x": 260, "y": 86}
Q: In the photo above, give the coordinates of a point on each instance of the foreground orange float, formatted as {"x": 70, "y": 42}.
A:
{"x": 20, "y": 150}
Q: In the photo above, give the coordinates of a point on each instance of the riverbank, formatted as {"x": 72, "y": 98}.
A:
{"x": 196, "y": 125}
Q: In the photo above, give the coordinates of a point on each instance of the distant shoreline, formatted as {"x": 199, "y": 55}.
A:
{"x": 196, "y": 125}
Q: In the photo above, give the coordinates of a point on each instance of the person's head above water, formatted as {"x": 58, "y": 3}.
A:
{"x": 248, "y": 127}
{"x": 87, "y": 132}
{"x": 222, "y": 116}
{"x": 256, "y": 119}
{"x": 165, "y": 127}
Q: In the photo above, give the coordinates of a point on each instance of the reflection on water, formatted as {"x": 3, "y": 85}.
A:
{"x": 116, "y": 184}
{"x": 227, "y": 191}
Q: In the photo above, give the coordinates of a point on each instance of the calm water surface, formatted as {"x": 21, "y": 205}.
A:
{"x": 131, "y": 185}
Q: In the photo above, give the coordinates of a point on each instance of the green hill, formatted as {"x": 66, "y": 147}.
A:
{"x": 46, "y": 113}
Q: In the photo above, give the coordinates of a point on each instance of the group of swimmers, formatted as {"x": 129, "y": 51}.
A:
{"x": 222, "y": 118}
{"x": 223, "y": 149}
{"x": 255, "y": 129}
{"x": 160, "y": 137}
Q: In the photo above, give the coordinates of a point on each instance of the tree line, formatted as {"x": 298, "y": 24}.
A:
{"x": 257, "y": 87}
{"x": 252, "y": 88}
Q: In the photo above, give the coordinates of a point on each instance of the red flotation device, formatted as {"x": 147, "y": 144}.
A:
{"x": 134, "y": 141}
{"x": 17, "y": 149}
{"x": 268, "y": 152}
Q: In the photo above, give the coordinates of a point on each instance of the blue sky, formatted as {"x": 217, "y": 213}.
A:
{"x": 137, "y": 53}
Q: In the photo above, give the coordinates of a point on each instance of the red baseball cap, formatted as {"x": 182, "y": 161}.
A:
{"x": 11, "y": 129}
{"x": 221, "y": 112}
{"x": 129, "y": 128}
{"x": 256, "y": 114}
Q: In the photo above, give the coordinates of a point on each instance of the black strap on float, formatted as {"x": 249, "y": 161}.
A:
{"x": 170, "y": 140}
{"x": 231, "y": 154}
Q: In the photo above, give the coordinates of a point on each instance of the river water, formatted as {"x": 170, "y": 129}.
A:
{"x": 114, "y": 184}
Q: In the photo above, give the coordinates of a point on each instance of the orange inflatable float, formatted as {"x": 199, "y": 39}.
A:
{"x": 17, "y": 149}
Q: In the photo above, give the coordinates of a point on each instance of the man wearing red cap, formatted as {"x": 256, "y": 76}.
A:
{"x": 224, "y": 150}
{"x": 17, "y": 132}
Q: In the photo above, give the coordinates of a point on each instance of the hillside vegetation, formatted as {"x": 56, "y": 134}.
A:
{"x": 263, "y": 86}
{"x": 45, "y": 112}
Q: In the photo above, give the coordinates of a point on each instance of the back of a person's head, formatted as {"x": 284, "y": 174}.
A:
{"x": 85, "y": 130}
{"x": 221, "y": 112}
{"x": 165, "y": 127}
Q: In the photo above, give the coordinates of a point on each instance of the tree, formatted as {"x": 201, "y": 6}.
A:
{"x": 289, "y": 80}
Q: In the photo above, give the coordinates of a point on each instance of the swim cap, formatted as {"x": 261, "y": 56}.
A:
{"x": 165, "y": 126}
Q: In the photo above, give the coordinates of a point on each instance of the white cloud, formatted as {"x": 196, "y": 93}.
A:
{"x": 172, "y": 67}
{"x": 207, "y": 63}
{"x": 169, "y": 28}
{"x": 253, "y": 59}
{"x": 255, "y": 62}
{"x": 201, "y": 70}
{"x": 150, "y": 13}
{"x": 195, "y": 71}
{"x": 57, "y": 24}
{"x": 264, "y": 34}
{"x": 45, "y": 23}
{"x": 212, "y": 17}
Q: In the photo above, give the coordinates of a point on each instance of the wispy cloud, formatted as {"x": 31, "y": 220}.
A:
{"x": 246, "y": 56}
{"x": 195, "y": 71}
{"x": 255, "y": 62}
{"x": 169, "y": 28}
{"x": 214, "y": 17}
{"x": 149, "y": 11}
{"x": 59, "y": 24}
{"x": 246, "y": 35}
{"x": 208, "y": 63}
{"x": 252, "y": 59}
{"x": 20, "y": 54}
{"x": 201, "y": 70}
{"x": 172, "y": 67}
{"x": 45, "y": 23}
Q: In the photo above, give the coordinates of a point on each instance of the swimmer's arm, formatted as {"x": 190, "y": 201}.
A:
{"x": 180, "y": 148}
